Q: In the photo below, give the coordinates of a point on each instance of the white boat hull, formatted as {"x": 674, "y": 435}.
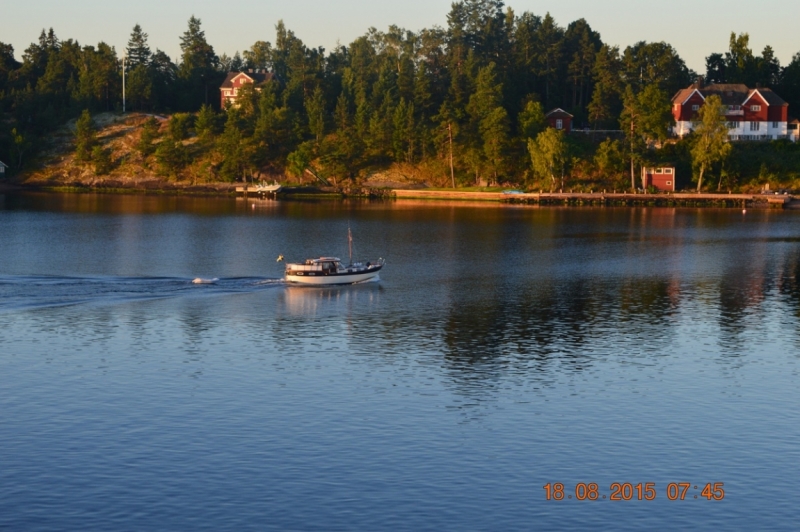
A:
{"x": 311, "y": 278}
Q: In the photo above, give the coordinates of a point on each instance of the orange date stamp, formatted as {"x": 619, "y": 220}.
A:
{"x": 626, "y": 491}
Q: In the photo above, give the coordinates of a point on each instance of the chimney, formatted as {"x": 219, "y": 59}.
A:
{"x": 701, "y": 82}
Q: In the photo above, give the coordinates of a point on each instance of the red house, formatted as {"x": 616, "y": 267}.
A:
{"x": 752, "y": 114}
{"x": 229, "y": 90}
{"x": 559, "y": 119}
{"x": 661, "y": 178}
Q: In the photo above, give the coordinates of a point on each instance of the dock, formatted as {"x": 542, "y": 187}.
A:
{"x": 607, "y": 198}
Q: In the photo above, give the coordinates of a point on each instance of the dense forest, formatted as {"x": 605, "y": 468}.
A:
{"x": 474, "y": 92}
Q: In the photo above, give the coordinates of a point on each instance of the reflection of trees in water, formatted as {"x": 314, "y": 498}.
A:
{"x": 744, "y": 291}
{"x": 787, "y": 281}
{"x": 540, "y": 331}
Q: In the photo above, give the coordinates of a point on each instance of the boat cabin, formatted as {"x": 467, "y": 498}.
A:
{"x": 320, "y": 266}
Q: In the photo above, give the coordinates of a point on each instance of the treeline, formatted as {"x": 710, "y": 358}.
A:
{"x": 476, "y": 91}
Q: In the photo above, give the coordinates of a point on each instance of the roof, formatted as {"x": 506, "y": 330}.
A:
{"x": 558, "y": 112}
{"x": 770, "y": 97}
{"x": 729, "y": 93}
{"x": 259, "y": 77}
{"x": 684, "y": 94}
{"x": 4, "y": 164}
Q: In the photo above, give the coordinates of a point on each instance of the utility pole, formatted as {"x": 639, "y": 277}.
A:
{"x": 123, "y": 83}
{"x": 452, "y": 172}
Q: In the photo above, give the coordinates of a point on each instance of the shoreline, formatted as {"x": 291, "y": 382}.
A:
{"x": 610, "y": 199}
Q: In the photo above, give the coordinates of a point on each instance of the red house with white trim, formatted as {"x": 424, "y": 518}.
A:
{"x": 559, "y": 119}
{"x": 752, "y": 114}
{"x": 229, "y": 90}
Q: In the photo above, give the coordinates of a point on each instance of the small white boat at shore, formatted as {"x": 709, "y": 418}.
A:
{"x": 264, "y": 188}
{"x": 331, "y": 270}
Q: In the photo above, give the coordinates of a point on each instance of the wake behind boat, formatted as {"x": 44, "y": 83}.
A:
{"x": 331, "y": 270}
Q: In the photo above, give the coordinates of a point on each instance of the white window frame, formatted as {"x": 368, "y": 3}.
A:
{"x": 755, "y": 108}
{"x": 755, "y": 126}
{"x": 559, "y": 123}
{"x": 668, "y": 171}
{"x": 775, "y": 125}
{"x": 695, "y": 107}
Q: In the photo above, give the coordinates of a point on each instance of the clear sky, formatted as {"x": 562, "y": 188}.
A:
{"x": 695, "y": 28}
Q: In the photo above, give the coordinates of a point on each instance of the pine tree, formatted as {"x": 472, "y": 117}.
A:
{"x": 85, "y": 137}
{"x": 138, "y": 51}
{"x": 198, "y": 65}
{"x": 315, "y": 110}
{"x": 149, "y": 133}
{"x": 205, "y": 125}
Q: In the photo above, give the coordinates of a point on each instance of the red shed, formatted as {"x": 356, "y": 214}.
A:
{"x": 559, "y": 119}
{"x": 661, "y": 178}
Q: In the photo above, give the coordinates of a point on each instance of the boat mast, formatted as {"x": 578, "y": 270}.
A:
{"x": 350, "y": 243}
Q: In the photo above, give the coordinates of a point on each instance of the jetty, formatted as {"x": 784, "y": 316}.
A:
{"x": 675, "y": 199}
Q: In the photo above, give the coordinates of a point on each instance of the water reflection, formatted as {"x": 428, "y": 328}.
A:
{"x": 486, "y": 293}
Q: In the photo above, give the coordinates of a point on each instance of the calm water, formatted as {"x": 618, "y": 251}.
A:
{"x": 503, "y": 349}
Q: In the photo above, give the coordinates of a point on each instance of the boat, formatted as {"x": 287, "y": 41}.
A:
{"x": 331, "y": 270}
{"x": 264, "y": 188}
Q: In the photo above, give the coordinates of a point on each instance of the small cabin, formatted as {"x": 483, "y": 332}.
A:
{"x": 559, "y": 119}
{"x": 662, "y": 178}
{"x": 3, "y": 167}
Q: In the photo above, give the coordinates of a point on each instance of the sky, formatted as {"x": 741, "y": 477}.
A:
{"x": 694, "y": 28}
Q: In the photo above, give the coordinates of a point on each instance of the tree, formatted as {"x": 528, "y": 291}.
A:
{"x": 198, "y": 65}
{"x": 740, "y": 65}
{"x": 180, "y": 125}
{"x": 711, "y": 137}
{"x": 549, "y": 49}
{"x": 258, "y": 56}
{"x": 609, "y": 158}
{"x": 768, "y": 67}
{"x": 716, "y": 69}
{"x": 85, "y": 137}
{"x": 655, "y": 63}
{"x": 102, "y": 160}
{"x": 531, "y": 120}
{"x": 315, "y": 109}
{"x": 582, "y": 46}
{"x": 149, "y": 133}
{"x": 139, "y": 86}
{"x": 550, "y": 154}
{"x": 138, "y": 51}
{"x": 172, "y": 156}
{"x": 789, "y": 87}
{"x": 206, "y": 125}
{"x": 644, "y": 120}
{"x": 488, "y": 114}
{"x": 605, "y": 102}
